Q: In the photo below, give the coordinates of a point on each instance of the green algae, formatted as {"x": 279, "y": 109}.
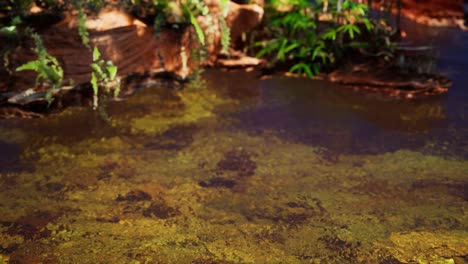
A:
{"x": 118, "y": 199}
{"x": 191, "y": 108}
{"x": 296, "y": 208}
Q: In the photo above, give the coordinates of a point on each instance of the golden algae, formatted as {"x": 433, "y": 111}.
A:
{"x": 182, "y": 188}
{"x": 189, "y": 108}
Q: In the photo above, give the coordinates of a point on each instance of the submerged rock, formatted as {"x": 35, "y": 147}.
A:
{"x": 370, "y": 81}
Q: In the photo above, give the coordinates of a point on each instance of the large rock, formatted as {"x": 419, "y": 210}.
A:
{"x": 241, "y": 18}
{"x": 436, "y": 13}
{"x": 131, "y": 44}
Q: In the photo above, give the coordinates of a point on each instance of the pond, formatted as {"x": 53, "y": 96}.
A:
{"x": 282, "y": 170}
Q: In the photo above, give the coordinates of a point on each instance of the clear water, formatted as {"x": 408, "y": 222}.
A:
{"x": 281, "y": 170}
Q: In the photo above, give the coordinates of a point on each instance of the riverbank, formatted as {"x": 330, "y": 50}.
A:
{"x": 167, "y": 59}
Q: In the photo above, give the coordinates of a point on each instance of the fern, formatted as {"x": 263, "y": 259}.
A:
{"x": 82, "y": 30}
{"x": 296, "y": 37}
{"x": 225, "y": 35}
{"x": 104, "y": 75}
{"x": 47, "y": 66}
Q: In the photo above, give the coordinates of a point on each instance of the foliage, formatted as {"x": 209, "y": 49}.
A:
{"x": 194, "y": 22}
{"x": 11, "y": 31}
{"x": 12, "y": 34}
{"x": 82, "y": 30}
{"x": 16, "y": 7}
{"x": 309, "y": 38}
{"x": 104, "y": 75}
{"x": 225, "y": 30}
{"x": 225, "y": 35}
{"x": 47, "y": 66}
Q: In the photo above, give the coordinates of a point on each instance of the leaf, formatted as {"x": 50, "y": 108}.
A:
{"x": 351, "y": 29}
{"x": 8, "y": 30}
{"x": 82, "y": 30}
{"x": 16, "y": 21}
{"x": 317, "y": 51}
{"x": 331, "y": 34}
{"x": 368, "y": 24}
{"x": 302, "y": 67}
{"x": 96, "y": 54}
{"x": 272, "y": 45}
{"x": 31, "y": 65}
{"x": 291, "y": 47}
{"x": 112, "y": 70}
{"x": 225, "y": 35}
{"x": 224, "y": 6}
{"x": 281, "y": 52}
{"x": 194, "y": 22}
{"x": 97, "y": 69}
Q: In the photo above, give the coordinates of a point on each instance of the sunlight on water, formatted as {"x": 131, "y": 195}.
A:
{"x": 246, "y": 171}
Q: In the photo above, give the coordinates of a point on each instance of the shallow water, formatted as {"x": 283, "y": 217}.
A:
{"x": 246, "y": 171}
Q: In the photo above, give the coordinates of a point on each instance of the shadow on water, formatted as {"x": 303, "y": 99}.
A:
{"x": 323, "y": 114}
{"x": 9, "y": 157}
{"x": 304, "y": 111}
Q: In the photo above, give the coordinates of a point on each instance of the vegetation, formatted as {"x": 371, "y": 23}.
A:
{"x": 311, "y": 36}
{"x": 50, "y": 73}
{"x": 304, "y": 36}
{"x": 104, "y": 75}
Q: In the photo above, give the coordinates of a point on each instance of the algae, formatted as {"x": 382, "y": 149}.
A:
{"x": 181, "y": 186}
{"x": 191, "y": 107}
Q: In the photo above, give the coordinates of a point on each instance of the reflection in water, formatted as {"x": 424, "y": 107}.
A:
{"x": 322, "y": 114}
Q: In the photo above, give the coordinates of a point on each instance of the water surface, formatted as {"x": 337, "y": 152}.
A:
{"x": 283, "y": 170}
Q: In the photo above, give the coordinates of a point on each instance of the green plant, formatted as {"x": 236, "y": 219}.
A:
{"x": 178, "y": 14}
{"x": 49, "y": 70}
{"x": 82, "y": 30}
{"x": 12, "y": 34}
{"x": 192, "y": 9}
{"x": 11, "y": 31}
{"x": 225, "y": 30}
{"x": 104, "y": 75}
{"x": 15, "y": 7}
{"x": 300, "y": 38}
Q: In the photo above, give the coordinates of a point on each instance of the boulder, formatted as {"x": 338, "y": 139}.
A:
{"x": 132, "y": 45}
